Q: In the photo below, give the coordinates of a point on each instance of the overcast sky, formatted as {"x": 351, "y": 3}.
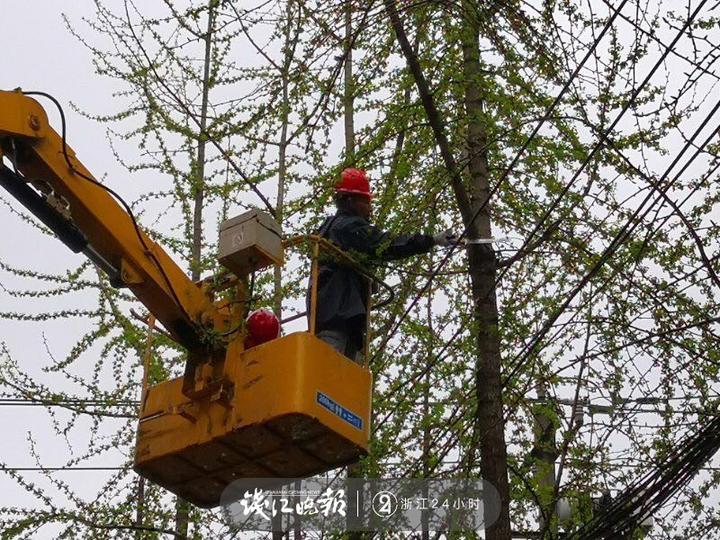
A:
{"x": 40, "y": 54}
{"x": 43, "y": 55}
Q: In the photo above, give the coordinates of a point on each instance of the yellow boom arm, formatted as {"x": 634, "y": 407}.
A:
{"x": 65, "y": 196}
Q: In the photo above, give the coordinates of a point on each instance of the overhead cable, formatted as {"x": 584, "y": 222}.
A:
{"x": 514, "y": 161}
{"x": 625, "y": 232}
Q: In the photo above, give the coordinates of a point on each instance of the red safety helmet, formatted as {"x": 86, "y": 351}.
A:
{"x": 354, "y": 182}
{"x": 262, "y": 326}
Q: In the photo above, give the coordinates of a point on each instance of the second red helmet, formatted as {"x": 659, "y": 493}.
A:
{"x": 262, "y": 326}
{"x": 354, "y": 182}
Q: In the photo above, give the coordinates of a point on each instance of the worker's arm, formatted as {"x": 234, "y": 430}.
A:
{"x": 365, "y": 238}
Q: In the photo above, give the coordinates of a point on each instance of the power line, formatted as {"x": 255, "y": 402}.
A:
{"x": 496, "y": 188}
{"x": 23, "y": 402}
{"x": 528, "y": 349}
{"x": 620, "y": 238}
{"x": 603, "y": 138}
{"x": 58, "y": 469}
{"x": 657, "y": 40}
{"x": 646, "y": 495}
{"x": 650, "y": 336}
{"x": 511, "y": 166}
{"x": 628, "y": 227}
{"x": 605, "y": 134}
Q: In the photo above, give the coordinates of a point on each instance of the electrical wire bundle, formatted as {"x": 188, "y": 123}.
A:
{"x": 641, "y": 499}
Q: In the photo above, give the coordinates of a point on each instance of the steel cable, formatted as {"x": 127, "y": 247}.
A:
{"x": 509, "y": 168}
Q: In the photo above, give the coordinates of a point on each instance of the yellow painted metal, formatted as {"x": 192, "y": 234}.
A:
{"x": 272, "y": 425}
{"x": 314, "y": 269}
{"x": 108, "y": 227}
{"x": 254, "y": 413}
{"x": 21, "y": 116}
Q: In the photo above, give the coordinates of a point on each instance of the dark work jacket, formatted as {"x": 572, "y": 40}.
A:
{"x": 342, "y": 292}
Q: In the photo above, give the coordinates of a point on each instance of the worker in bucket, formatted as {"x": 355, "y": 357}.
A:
{"x": 342, "y": 296}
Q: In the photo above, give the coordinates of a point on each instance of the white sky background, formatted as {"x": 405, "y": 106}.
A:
{"x": 40, "y": 54}
{"x": 44, "y": 56}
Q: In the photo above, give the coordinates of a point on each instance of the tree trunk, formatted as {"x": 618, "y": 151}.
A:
{"x": 282, "y": 153}
{"x": 348, "y": 88}
{"x": 489, "y": 424}
{"x": 277, "y": 519}
{"x": 140, "y": 510}
{"x": 545, "y": 454}
{"x": 488, "y": 421}
{"x": 354, "y": 471}
{"x": 199, "y": 172}
{"x": 182, "y": 518}
{"x": 182, "y": 508}
{"x": 288, "y": 52}
{"x": 427, "y": 435}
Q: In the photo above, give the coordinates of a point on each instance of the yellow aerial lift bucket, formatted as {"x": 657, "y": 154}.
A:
{"x": 290, "y": 408}
{"x": 298, "y": 409}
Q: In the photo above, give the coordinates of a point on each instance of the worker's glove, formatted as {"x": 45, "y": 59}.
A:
{"x": 446, "y": 239}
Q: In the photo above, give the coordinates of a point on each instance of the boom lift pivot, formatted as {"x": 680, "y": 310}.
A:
{"x": 290, "y": 408}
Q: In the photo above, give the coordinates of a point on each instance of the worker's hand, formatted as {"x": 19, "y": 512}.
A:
{"x": 446, "y": 239}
